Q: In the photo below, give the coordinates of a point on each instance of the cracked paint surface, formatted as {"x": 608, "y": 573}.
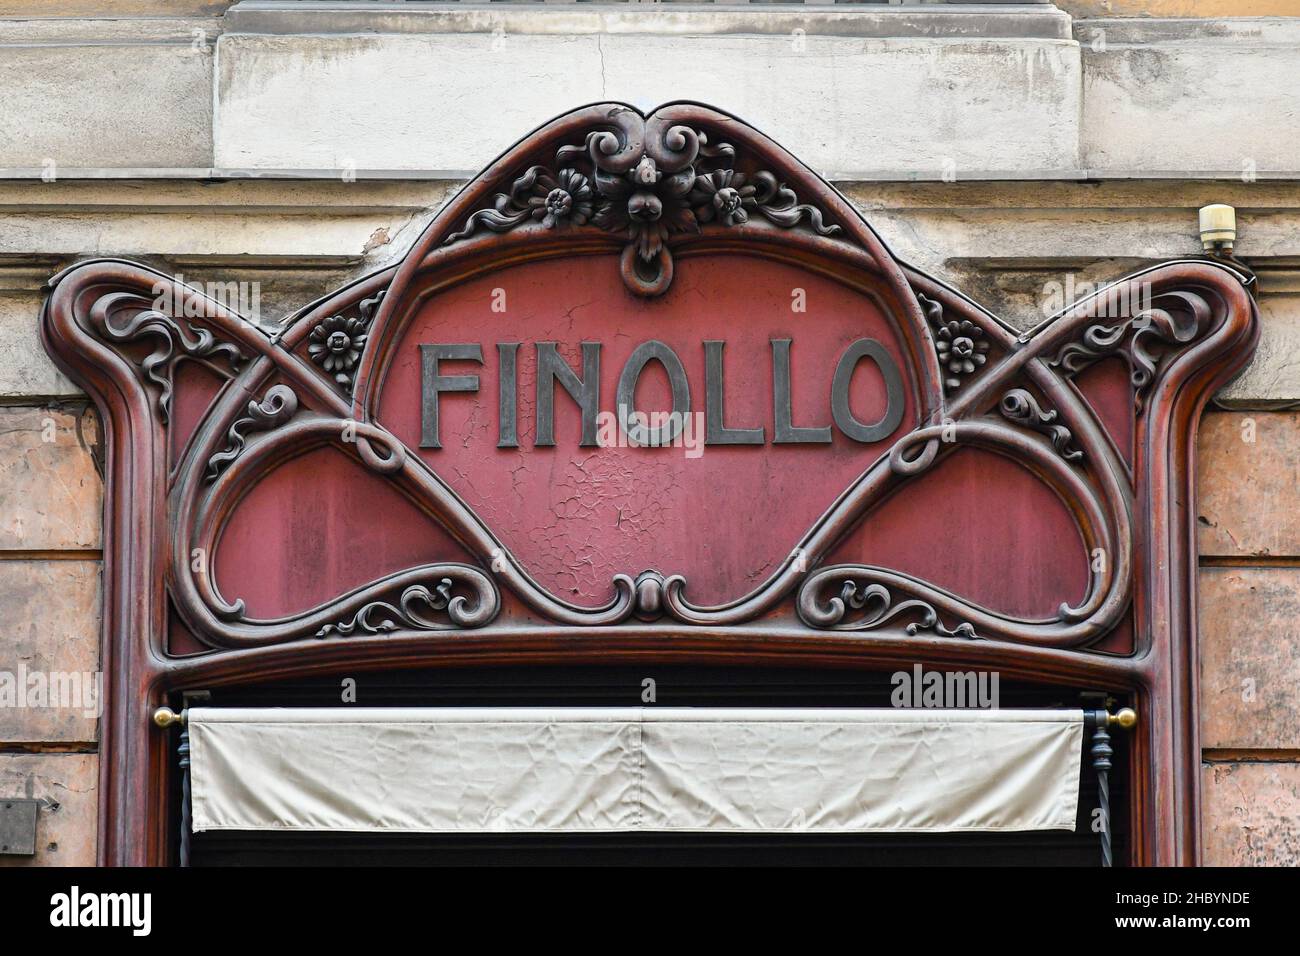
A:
{"x": 575, "y": 516}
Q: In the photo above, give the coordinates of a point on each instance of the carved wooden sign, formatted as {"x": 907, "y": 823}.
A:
{"x": 649, "y": 389}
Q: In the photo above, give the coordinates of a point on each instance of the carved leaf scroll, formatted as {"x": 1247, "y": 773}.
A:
{"x": 645, "y": 192}
{"x": 172, "y": 340}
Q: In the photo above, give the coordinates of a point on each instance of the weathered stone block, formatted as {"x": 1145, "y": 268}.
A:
{"x": 1178, "y": 8}
{"x": 1274, "y": 372}
{"x": 1248, "y": 474}
{"x": 1250, "y": 658}
{"x": 363, "y": 101}
{"x": 1157, "y": 95}
{"x": 50, "y": 686}
{"x": 50, "y": 495}
{"x": 67, "y": 786}
{"x": 1250, "y": 814}
{"x": 87, "y": 104}
{"x": 120, "y": 8}
{"x": 25, "y": 369}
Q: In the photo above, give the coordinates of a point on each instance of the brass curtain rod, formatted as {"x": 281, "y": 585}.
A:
{"x": 1125, "y": 718}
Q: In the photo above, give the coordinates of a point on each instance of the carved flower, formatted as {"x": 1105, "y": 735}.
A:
{"x": 646, "y": 205}
{"x": 723, "y": 195}
{"x": 335, "y": 345}
{"x": 566, "y": 198}
{"x": 961, "y": 349}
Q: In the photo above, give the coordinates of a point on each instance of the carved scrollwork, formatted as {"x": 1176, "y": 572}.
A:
{"x": 1021, "y": 407}
{"x": 553, "y": 199}
{"x": 647, "y": 184}
{"x": 378, "y": 449}
{"x": 648, "y": 596}
{"x": 849, "y": 592}
{"x": 1143, "y": 340}
{"x": 423, "y": 608}
{"x": 175, "y": 340}
{"x": 279, "y": 405}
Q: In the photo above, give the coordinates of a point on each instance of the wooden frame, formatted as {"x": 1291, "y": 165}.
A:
{"x": 571, "y": 189}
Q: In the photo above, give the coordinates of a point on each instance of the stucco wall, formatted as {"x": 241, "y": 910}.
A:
{"x": 269, "y": 144}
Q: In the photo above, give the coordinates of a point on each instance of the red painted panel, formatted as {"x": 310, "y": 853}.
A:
{"x": 1107, "y": 388}
{"x": 195, "y": 388}
{"x": 576, "y": 516}
{"x": 285, "y": 550}
{"x": 983, "y": 527}
{"x": 1119, "y": 641}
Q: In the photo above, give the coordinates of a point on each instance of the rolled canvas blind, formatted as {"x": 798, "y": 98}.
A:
{"x": 593, "y": 770}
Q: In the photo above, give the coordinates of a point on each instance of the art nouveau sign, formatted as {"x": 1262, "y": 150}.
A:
{"x": 649, "y": 389}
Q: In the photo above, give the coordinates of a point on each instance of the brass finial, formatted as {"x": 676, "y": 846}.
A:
{"x": 166, "y": 717}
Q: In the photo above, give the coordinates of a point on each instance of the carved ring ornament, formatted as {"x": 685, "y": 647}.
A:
{"x": 683, "y": 181}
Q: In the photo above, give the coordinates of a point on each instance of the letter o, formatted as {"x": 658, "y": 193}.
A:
{"x": 625, "y": 396}
{"x": 850, "y": 426}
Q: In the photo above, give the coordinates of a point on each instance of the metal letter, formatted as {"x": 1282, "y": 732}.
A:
{"x": 585, "y": 391}
{"x": 625, "y": 397}
{"x": 787, "y": 433}
{"x": 432, "y": 382}
{"x": 840, "y": 408}
{"x": 507, "y": 385}
{"x": 715, "y": 432}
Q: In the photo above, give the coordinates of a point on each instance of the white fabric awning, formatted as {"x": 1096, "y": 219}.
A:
{"x": 593, "y": 770}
